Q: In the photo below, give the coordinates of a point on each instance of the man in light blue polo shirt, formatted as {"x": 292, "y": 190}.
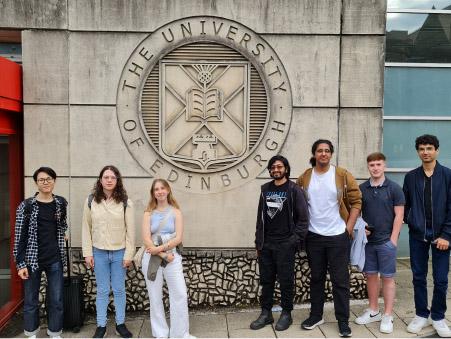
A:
{"x": 383, "y": 210}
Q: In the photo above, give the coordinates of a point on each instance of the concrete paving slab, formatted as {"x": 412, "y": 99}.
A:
{"x": 329, "y": 315}
{"x": 330, "y": 330}
{"x": 203, "y": 325}
{"x": 299, "y": 316}
{"x": 399, "y": 330}
{"x": 145, "y": 332}
{"x": 265, "y": 332}
{"x": 87, "y": 331}
{"x": 133, "y": 326}
{"x": 241, "y": 320}
{"x": 404, "y": 308}
{"x": 213, "y": 334}
{"x": 298, "y": 332}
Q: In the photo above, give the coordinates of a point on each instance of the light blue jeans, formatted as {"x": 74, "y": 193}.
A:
{"x": 109, "y": 272}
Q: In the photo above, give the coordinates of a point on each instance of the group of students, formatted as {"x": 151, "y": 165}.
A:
{"x": 317, "y": 214}
{"x": 108, "y": 245}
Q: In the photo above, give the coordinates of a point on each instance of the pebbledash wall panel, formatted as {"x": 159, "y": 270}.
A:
{"x": 127, "y": 82}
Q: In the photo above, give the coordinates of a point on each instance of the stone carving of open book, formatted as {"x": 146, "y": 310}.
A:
{"x": 204, "y": 105}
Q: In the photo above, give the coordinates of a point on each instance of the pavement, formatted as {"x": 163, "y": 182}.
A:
{"x": 234, "y": 323}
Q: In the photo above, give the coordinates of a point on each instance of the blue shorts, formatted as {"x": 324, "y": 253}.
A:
{"x": 380, "y": 258}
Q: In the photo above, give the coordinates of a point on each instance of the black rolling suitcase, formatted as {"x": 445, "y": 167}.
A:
{"x": 74, "y": 306}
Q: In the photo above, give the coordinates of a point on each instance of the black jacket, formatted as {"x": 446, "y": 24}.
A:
{"x": 297, "y": 209}
{"x": 441, "y": 202}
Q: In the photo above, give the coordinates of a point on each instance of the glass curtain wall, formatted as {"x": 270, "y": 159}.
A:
{"x": 417, "y": 91}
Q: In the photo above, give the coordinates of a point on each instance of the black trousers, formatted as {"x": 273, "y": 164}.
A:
{"x": 276, "y": 261}
{"x": 329, "y": 253}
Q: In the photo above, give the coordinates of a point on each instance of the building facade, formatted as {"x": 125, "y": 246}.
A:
{"x": 201, "y": 93}
{"x": 417, "y": 91}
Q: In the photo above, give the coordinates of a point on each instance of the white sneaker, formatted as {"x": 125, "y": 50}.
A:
{"x": 417, "y": 324}
{"x": 442, "y": 328}
{"x": 386, "y": 324}
{"x": 369, "y": 316}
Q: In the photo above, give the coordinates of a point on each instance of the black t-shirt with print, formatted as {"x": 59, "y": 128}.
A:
{"x": 276, "y": 219}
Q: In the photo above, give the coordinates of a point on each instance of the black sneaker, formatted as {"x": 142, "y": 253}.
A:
{"x": 344, "y": 330}
{"x": 265, "y": 318}
{"x": 311, "y": 322}
{"x": 123, "y": 331}
{"x": 100, "y": 332}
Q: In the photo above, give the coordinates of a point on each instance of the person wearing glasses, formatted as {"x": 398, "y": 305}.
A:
{"x": 108, "y": 235}
{"x": 39, "y": 247}
{"x": 282, "y": 225}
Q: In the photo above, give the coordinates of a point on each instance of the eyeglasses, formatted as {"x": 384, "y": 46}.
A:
{"x": 277, "y": 167}
{"x": 109, "y": 178}
{"x": 47, "y": 180}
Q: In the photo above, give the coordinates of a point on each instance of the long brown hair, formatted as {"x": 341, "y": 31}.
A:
{"x": 153, "y": 201}
{"x": 119, "y": 193}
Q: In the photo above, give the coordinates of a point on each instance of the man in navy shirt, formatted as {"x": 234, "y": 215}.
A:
{"x": 383, "y": 210}
{"x": 428, "y": 214}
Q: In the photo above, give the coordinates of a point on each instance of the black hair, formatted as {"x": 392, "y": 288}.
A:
{"x": 315, "y": 146}
{"x": 283, "y": 160}
{"x": 427, "y": 139}
{"x": 46, "y": 170}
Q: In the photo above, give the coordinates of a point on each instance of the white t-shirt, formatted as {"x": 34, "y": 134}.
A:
{"x": 324, "y": 209}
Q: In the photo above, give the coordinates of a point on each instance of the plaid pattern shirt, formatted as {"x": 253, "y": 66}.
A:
{"x": 26, "y": 232}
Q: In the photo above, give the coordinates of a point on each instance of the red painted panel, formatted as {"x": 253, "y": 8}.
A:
{"x": 16, "y": 174}
{"x": 10, "y": 80}
{"x": 10, "y": 105}
{"x": 11, "y": 124}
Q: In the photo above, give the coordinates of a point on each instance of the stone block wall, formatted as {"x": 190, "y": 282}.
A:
{"x": 74, "y": 53}
{"x": 215, "y": 278}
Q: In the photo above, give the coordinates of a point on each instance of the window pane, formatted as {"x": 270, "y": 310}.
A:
{"x": 417, "y": 91}
{"x": 399, "y": 141}
{"x": 419, "y": 4}
{"x": 418, "y": 38}
{"x": 11, "y": 51}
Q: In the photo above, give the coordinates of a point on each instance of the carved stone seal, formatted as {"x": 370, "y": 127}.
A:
{"x": 204, "y": 102}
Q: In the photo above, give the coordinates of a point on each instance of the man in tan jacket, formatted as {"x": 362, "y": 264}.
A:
{"x": 334, "y": 201}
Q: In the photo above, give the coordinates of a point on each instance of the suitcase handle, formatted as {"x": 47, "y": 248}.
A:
{"x": 67, "y": 258}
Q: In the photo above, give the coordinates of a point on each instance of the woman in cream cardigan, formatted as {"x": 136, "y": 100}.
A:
{"x": 108, "y": 245}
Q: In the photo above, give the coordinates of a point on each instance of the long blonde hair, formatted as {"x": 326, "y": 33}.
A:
{"x": 153, "y": 201}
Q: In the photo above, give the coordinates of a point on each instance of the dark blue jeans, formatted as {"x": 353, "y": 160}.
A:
{"x": 419, "y": 257}
{"x": 55, "y": 281}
